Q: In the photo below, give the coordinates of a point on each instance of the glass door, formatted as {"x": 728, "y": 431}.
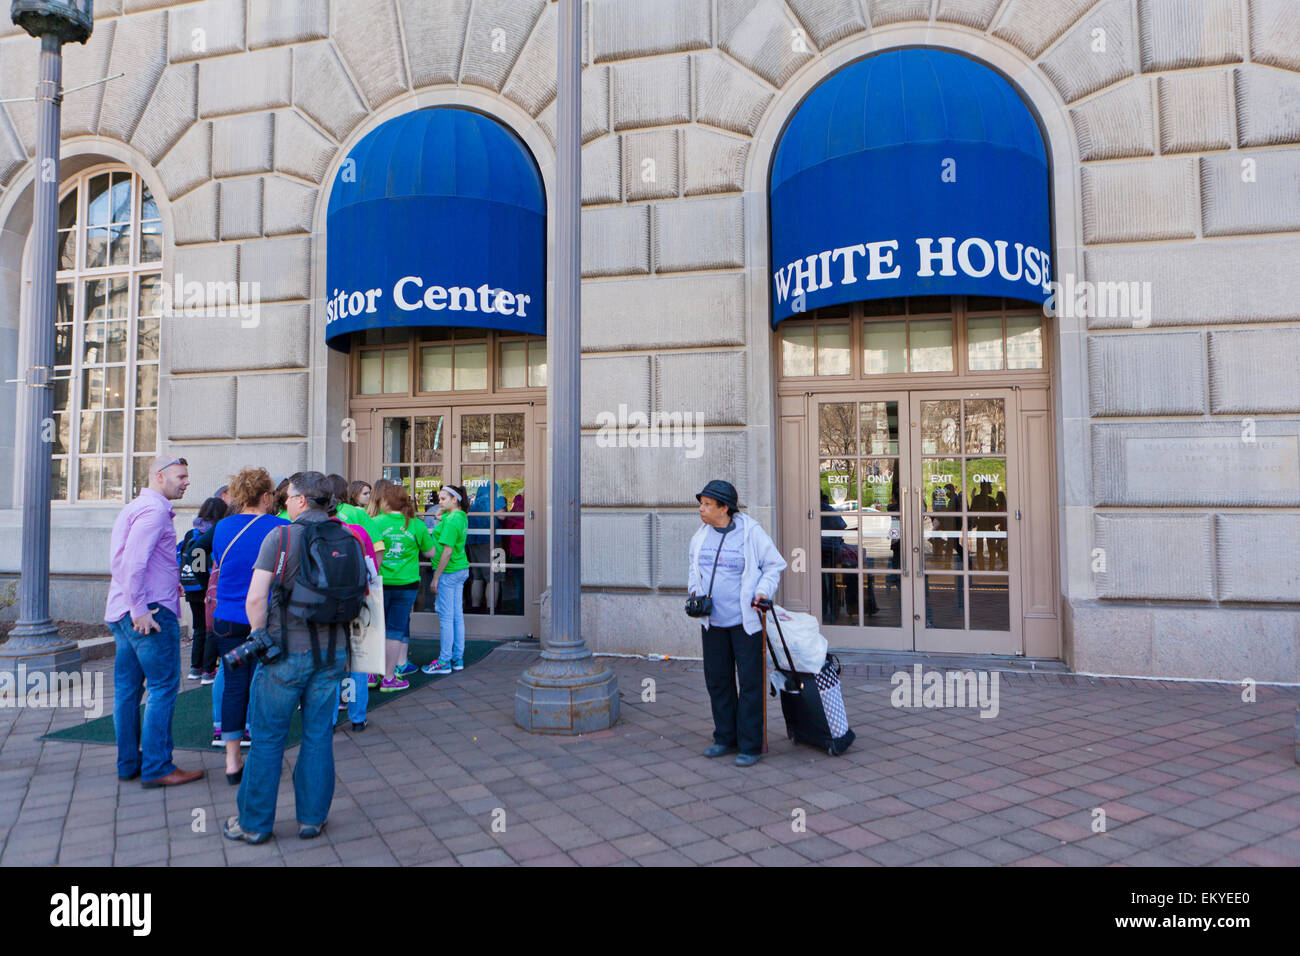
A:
{"x": 491, "y": 462}
{"x": 863, "y": 584}
{"x": 962, "y": 447}
{"x": 483, "y": 450}
{"x": 912, "y": 545}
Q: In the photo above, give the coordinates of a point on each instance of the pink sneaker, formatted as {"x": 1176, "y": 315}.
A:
{"x": 387, "y": 686}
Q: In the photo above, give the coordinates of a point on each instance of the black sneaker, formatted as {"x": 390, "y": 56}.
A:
{"x": 358, "y": 727}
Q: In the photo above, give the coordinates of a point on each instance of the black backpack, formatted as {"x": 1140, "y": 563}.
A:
{"x": 185, "y": 559}
{"x": 331, "y": 584}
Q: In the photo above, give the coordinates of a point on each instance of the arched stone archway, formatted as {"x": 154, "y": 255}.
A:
{"x": 16, "y": 207}
{"x": 1061, "y": 141}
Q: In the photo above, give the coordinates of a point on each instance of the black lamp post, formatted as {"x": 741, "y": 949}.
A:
{"x": 35, "y": 644}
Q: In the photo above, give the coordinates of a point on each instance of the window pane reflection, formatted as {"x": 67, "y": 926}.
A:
{"x": 1024, "y": 341}
{"x": 984, "y": 343}
{"x": 990, "y": 603}
{"x": 840, "y": 600}
{"x": 833, "y": 349}
{"x": 884, "y": 348}
{"x": 879, "y": 424}
{"x": 931, "y": 345}
{"x": 797, "y": 355}
{"x": 945, "y": 601}
{"x": 837, "y": 428}
{"x": 882, "y": 600}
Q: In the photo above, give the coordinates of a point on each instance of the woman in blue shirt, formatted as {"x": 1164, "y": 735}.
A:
{"x": 235, "y": 544}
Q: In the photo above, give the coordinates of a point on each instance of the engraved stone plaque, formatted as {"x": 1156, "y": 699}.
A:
{"x": 1198, "y": 464}
{"x": 1267, "y": 467}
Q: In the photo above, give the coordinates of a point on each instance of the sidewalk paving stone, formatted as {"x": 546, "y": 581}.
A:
{"x": 1186, "y": 773}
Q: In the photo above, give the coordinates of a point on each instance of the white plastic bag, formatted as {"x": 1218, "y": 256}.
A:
{"x": 807, "y": 646}
{"x": 368, "y": 632}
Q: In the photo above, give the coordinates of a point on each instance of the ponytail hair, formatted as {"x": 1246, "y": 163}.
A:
{"x": 461, "y": 503}
{"x": 396, "y": 499}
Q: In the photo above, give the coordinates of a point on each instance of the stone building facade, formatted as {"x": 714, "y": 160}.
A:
{"x": 1166, "y": 462}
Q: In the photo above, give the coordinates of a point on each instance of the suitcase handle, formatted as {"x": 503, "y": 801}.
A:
{"x": 764, "y": 606}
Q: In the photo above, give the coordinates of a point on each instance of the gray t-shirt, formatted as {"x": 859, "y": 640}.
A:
{"x": 282, "y": 585}
{"x": 727, "y": 611}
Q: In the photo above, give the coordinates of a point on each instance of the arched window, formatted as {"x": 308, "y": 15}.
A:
{"x": 106, "y": 337}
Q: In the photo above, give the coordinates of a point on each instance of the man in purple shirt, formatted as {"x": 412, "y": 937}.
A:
{"x": 142, "y": 612}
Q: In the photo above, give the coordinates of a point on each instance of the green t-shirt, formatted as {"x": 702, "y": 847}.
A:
{"x": 284, "y": 513}
{"x": 402, "y": 546}
{"x": 451, "y": 531}
{"x": 351, "y": 514}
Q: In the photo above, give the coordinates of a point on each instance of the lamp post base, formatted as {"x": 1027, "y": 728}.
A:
{"x": 566, "y": 697}
{"x": 40, "y": 649}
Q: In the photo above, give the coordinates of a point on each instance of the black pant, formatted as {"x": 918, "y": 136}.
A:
{"x": 203, "y": 649}
{"x": 234, "y": 698}
{"x": 737, "y": 722}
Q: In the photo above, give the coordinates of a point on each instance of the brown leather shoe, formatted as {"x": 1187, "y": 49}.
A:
{"x": 173, "y": 779}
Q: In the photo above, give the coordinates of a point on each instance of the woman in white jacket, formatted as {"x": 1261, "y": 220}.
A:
{"x": 748, "y": 569}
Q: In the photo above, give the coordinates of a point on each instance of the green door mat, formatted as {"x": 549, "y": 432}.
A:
{"x": 192, "y": 719}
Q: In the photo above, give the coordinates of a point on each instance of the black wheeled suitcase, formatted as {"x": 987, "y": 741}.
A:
{"x": 813, "y": 704}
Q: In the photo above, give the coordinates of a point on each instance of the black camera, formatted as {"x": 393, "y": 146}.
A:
{"x": 699, "y": 605}
{"x": 260, "y": 646}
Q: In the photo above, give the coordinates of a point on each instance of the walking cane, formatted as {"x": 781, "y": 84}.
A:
{"x": 762, "y": 619}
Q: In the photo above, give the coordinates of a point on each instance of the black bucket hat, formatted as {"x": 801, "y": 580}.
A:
{"x": 723, "y": 492}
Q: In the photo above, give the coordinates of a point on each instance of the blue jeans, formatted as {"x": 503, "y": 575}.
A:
{"x": 451, "y": 614}
{"x": 219, "y": 693}
{"x": 155, "y": 658}
{"x": 235, "y": 684}
{"x": 397, "y": 613}
{"x": 218, "y": 689}
{"x": 360, "y": 700}
{"x": 278, "y": 689}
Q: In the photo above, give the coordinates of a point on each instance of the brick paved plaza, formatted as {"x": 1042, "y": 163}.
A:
{"x": 1187, "y": 774}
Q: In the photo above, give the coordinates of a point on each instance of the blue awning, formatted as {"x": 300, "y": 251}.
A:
{"x": 438, "y": 217}
{"x": 911, "y": 172}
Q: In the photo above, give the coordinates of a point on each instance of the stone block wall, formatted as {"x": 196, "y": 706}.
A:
{"x": 1190, "y": 184}
{"x": 1176, "y": 123}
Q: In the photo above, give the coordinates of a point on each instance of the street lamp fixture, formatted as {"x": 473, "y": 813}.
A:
{"x": 70, "y": 22}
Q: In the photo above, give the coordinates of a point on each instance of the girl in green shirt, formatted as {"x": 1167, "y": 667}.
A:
{"x": 405, "y": 541}
{"x": 449, "y": 581}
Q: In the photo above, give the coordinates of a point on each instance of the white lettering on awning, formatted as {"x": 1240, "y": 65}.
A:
{"x": 972, "y": 256}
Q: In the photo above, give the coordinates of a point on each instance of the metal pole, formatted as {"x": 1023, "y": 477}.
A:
{"x": 35, "y": 641}
{"x": 567, "y": 691}
{"x": 566, "y": 560}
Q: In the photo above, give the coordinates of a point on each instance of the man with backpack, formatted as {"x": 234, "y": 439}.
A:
{"x": 309, "y": 582}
